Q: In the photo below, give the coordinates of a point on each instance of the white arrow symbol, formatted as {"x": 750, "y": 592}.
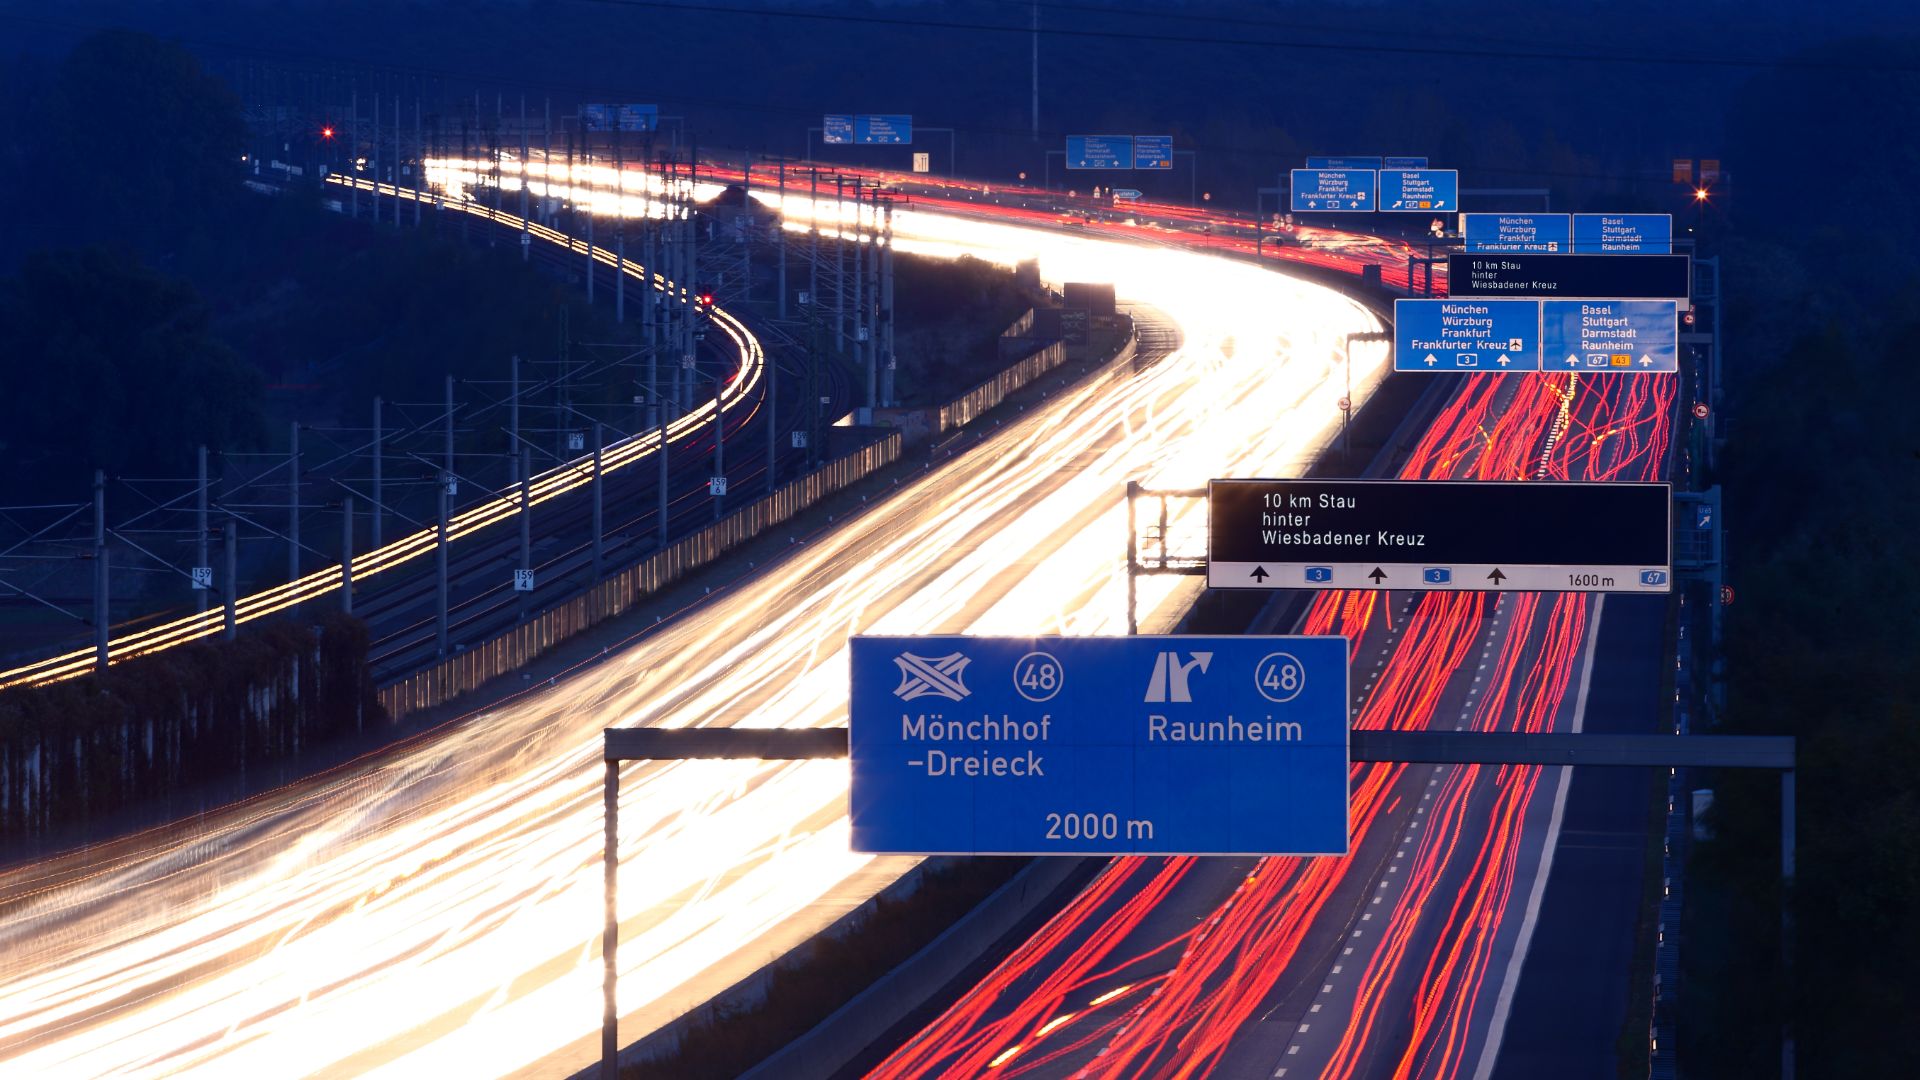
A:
{"x": 1645, "y": 360}
{"x": 1573, "y": 361}
{"x": 1503, "y": 361}
{"x": 1432, "y": 359}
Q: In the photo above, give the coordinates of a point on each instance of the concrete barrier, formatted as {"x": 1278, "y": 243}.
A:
{"x": 613, "y": 596}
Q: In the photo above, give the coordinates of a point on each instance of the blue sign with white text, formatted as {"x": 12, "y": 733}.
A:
{"x": 1549, "y": 234}
{"x": 1404, "y": 163}
{"x": 1099, "y": 151}
{"x": 1623, "y": 234}
{"x": 1333, "y": 189}
{"x": 1099, "y": 746}
{"x": 1610, "y": 335}
{"x": 1466, "y": 334}
{"x": 1373, "y": 163}
{"x": 603, "y": 117}
{"x": 893, "y": 129}
{"x": 1153, "y": 151}
{"x": 1418, "y": 191}
{"x": 837, "y": 129}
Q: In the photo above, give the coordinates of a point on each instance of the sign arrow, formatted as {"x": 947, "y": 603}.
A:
{"x": 1645, "y": 360}
{"x": 1259, "y": 573}
{"x": 1503, "y": 361}
{"x": 1496, "y": 577}
{"x": 1378, "y": 575}
{"x": 1573, "y": 361}
{"x": 1432, "y": 359}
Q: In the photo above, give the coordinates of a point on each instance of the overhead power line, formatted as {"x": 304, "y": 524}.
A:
{"x": 1488, "y": 52}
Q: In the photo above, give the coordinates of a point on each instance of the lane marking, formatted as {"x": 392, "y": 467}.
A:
{"x": 1503, "y": 1004}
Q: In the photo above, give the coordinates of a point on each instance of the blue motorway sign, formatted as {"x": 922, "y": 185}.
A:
{"x": 1623, "y": 234}
{"x": 602, "y": 117}
{"x": 1466, "y": 335}
{"x": 1099, "y": 746}
{"x": 1153, "y": 151}
{"x": 1333, "y": 189}
{"x": 1100, "y": 152}
{"x": 1610, "y": 335}
{"x": 891, "y": 129}
{"x": 1373, "y": 163}
{"x": 837, "y": 129}
{"x": 1542, "y": 233}
{"x": 1403, "y": 163}
{"x": 639, "y": 117}
{"x": 1419, "y": 191}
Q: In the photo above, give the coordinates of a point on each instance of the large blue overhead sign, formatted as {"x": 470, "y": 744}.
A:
{"x": 1099, "y": 151}
{"x": 1099, "y": 746}
{"x": 843, "y": 129}
{"x": 1153, "y": 151}
{"x": 894, "y": 129}
{"x": 1333, "y": 189}
{"x": 601, "y": 117}
{"x": 1547, "y": 234}
{"x": 1610, "y": 335}
{"x": 1416, "y": 191}
{"x": 1623, "y": 234}
{"x": 1403, "y": 163}
{"x": 1466, "y": 335}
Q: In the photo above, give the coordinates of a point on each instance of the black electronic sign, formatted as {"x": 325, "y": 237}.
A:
{"x": 1533, "y": 536}
{"x": 1568, "y": 277}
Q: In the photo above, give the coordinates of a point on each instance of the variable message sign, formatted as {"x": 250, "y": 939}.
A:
{"x": 1099, "y": 746}
{"x": 1569, "y": 277}
{"x": 1440, "y": 535}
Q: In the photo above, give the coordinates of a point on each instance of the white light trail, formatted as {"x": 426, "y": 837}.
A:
{"x": 436, "y": 911}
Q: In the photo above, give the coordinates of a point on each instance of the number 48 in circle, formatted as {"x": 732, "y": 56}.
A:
{"x": 1038, "y": 676}
{"x": 1280, "y": 677}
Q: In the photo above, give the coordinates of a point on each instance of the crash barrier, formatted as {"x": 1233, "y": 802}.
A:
{"x": 613, "y": 596}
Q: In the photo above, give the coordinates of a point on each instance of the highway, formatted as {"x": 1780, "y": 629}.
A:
{"x": 434, "y": 910}
{"x": 1401, "y": 959}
